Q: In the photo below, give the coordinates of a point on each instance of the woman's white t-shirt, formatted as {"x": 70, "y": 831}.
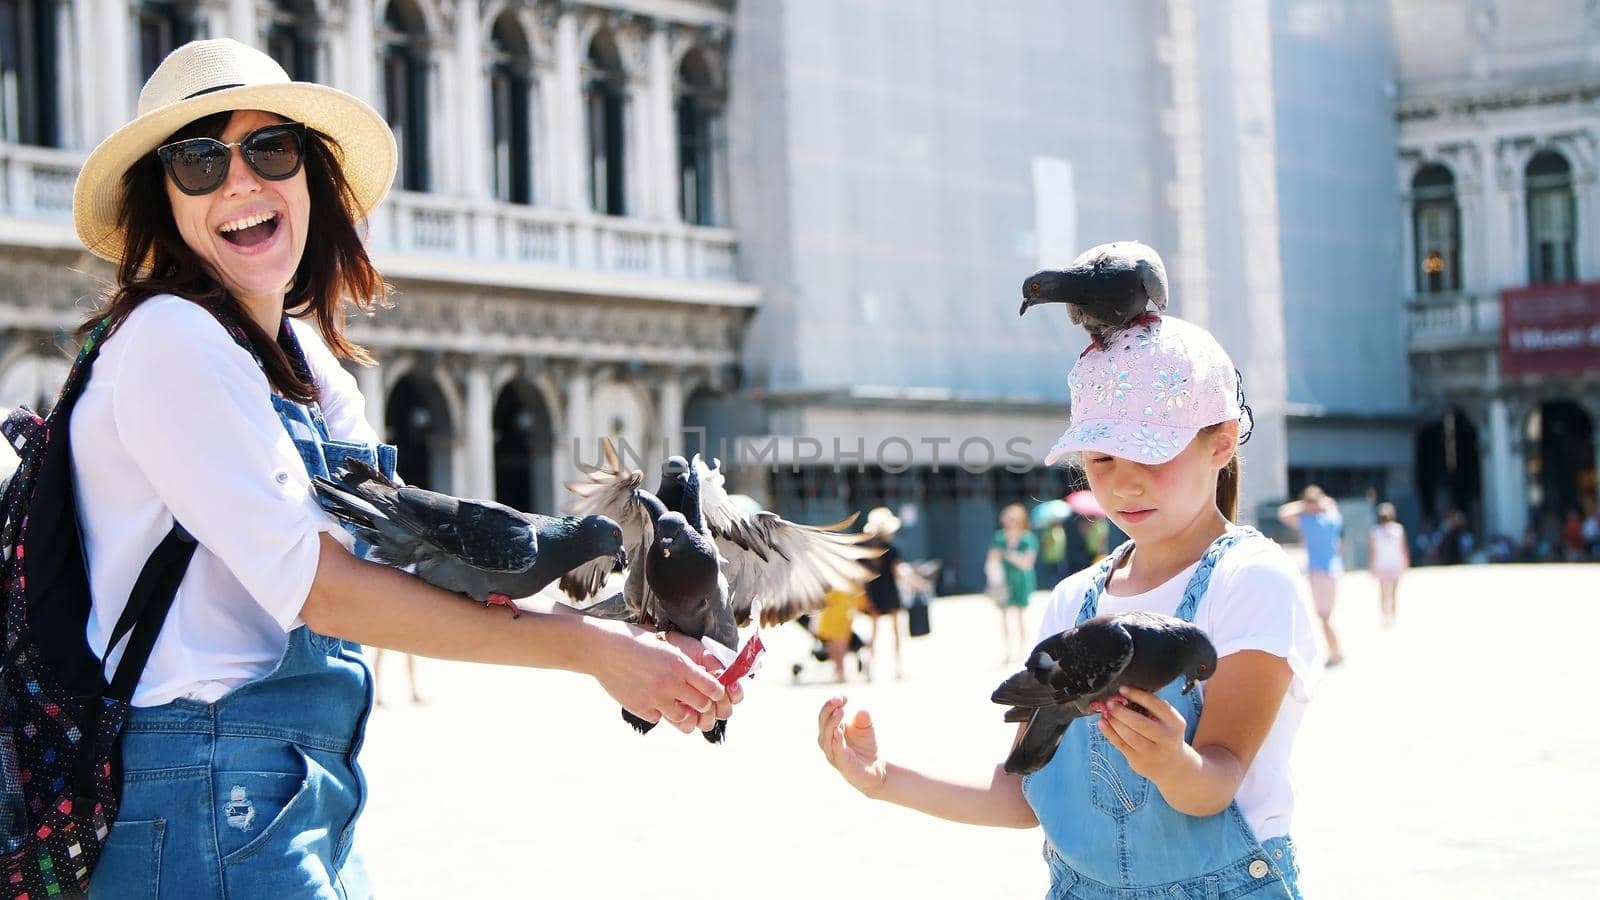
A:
{"x": 1256, "y": 601}
{"x": 177, "y": 421}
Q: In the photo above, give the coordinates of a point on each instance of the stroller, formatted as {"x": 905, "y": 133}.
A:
{"x": 917, "y": 583}
{"x": 819, "y": 647}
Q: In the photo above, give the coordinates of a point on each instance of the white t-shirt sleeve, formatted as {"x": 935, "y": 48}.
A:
{"x": 194, "y": 412}
{"x": 343, "y": 405}
{"x": 1259, "y": 601}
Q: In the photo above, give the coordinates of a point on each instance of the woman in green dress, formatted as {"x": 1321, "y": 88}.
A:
{"x": 1011, "y": 557}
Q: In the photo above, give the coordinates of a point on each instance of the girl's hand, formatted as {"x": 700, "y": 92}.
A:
{"x": 851, "y": 747}
{"x": 708, "y": 660}
{"x": 654, "y": 680}
{"x": 1152, "y": 741}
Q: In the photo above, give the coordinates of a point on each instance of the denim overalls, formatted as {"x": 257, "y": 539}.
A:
{"x": 1110, "y": 834}
{"x": 257, "y": 794}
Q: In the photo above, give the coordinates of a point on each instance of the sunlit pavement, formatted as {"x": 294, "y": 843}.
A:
{"x": 1457, "y": 755}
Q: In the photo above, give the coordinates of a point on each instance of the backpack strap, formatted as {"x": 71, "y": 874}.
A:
{"x": 148, "y": 604}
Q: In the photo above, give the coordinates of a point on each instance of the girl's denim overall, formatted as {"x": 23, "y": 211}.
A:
{"x": 1110, "y": 834}
{"x": 257, "y": 794}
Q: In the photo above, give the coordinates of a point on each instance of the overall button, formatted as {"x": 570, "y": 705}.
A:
{"x": 1259, "y": 868}
{"x": 1277, "y": 854}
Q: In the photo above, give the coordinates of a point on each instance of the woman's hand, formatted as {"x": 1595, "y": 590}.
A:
{"x": 655, "y": 680}
{"x": 708, "y": 661}
{"x": 851, "y": 747}
{"x": 1152, "y": 741}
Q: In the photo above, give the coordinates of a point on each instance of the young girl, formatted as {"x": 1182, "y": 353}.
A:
{"x": 1389, "y": 558}
{"x": 1192, "y": 797}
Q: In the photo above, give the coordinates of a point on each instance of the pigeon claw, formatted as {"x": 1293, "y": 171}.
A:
{"x": 503, "y": 600}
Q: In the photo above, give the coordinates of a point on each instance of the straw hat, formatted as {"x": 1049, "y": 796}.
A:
{"x": 881, "y": 522}
{"x": 205, "y": 77}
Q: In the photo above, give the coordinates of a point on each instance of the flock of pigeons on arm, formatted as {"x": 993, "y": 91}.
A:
{"x": 695, "y": 561}
{"x": 698, "y": 563}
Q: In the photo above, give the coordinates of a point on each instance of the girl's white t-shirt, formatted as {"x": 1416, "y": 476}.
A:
{"x": 177, "y": 421}
{"x": 1256, "y": 601}
{"x": 1388, "y": 544}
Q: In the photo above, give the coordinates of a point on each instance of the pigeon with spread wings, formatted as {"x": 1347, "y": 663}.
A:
{"x": 788, "y": 567}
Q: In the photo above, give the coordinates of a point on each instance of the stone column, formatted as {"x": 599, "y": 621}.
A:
{"x": 669, "y": 413}
{"x": 574, "y": 439}
{"x": 360, "y": 56}
{"x": 662, "y": 146}
{"x": 241, "y": 23}
{"x": 468, "y": 151}
{"x": 111, "y": 40}
{"x": 370, "y": 380}
{"x": 479, "y": 430}
{"x": 1506, "y": 489}
{"x": 565, "y": 103}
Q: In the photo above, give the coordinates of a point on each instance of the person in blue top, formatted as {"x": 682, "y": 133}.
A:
{"x": 1317, "y": 518}
{"x": 1162, "y": 794}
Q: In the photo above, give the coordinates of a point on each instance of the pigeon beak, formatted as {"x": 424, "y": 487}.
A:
{"x": 621, "y": 560}
{"x": 666, "y": 554}
{"x": 1189, "y": 684}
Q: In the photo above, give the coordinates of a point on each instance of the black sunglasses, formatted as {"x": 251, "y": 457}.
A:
{"x": 200, "y": 165}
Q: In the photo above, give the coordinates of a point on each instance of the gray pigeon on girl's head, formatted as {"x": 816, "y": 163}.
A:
{"x": 1105, "y": 288}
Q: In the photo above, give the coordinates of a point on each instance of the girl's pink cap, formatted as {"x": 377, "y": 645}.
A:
{"x": 1149, "y": 393}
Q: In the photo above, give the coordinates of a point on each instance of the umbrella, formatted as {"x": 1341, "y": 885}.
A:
{"x": 1049, "y": 513}
{"x": 1084, "y": 504}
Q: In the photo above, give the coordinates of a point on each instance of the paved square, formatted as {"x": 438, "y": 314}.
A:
{"x": 1452, "y": 757}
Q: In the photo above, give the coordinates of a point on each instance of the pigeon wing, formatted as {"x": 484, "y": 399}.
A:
{"x": 483, "y": 534}
{"x": 788, "y": 567}
{"x": 1091, "y": 656}
{"x": 607, "y": 490}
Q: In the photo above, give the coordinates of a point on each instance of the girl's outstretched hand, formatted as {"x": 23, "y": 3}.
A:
{"x": 851, "y": 747}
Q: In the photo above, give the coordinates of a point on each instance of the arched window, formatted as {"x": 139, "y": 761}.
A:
{"x": 1552, "y": 219}
{"x": 510, "y": 102}
{"x": 28, "y": 83}
{"x": 699, "y": 114}
{"x": 161, "y": 26}
{"x": 290, "y": 37}
{"x": 403, "y": 40}
{"x": 1436, "y": 219}
{"x": 606, "y": 104}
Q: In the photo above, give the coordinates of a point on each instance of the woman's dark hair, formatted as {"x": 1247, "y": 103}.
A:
{"x": 1227, "y": 481}
{"x": 334, "y": 266}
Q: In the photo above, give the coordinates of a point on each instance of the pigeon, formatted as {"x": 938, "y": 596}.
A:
{"x": 1106, "y": 288}
{"x": 1069, "y": 672}
{"x": 783, "y": 567}
{"x": 487, "y": 551}
{"x": 770, "y": 569}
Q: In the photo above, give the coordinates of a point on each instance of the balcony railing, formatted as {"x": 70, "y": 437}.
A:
{"x": 1441, "y": 321}
{"x": 424, "y": 224}
{"x": 36, "y": 184}
{"x": 38, "y": 181}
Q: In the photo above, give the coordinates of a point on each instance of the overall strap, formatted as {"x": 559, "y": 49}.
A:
{"x": 1201, "y": 579}
{"x": 1097, "y": 582}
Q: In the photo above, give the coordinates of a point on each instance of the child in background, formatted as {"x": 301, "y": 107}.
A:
{"x": 1389, "y": 558}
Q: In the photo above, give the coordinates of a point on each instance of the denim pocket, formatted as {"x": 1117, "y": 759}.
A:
{"x": 130, "y": 862}
{"x": 1114, "y": 787}
{"x": 252, "y": 806}
{"x": 335, "y": 453}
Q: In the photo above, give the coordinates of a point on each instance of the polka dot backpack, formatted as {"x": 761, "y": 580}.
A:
{"x": 60, "y": 778}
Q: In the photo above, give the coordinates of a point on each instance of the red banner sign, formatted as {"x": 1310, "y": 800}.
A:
{"x": 1550, "y": 329}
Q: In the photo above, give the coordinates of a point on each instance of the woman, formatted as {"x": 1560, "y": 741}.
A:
{"x": 1012, "y": 553}
{"x": 228, "y": 206}
{"x": 1317, "y": 518}
{"x": 883, "y": 591}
